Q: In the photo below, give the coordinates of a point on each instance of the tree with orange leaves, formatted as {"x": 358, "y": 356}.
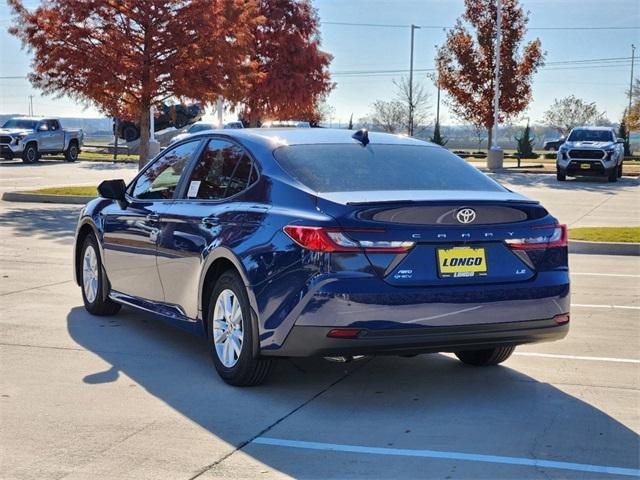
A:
{"x": 125, "y": 56}
{"x": 293, "y": 72}
{"x": 466, "y": 63}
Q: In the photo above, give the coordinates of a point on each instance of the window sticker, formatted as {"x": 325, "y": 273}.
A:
{"x": 194, "y": 186}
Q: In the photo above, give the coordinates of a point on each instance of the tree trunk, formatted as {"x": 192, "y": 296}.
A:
{"x": 143, "y": 148}
{"x": 489, "y": 138}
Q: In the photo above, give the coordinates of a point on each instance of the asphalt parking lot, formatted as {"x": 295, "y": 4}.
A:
{"x": 128, "y": 397}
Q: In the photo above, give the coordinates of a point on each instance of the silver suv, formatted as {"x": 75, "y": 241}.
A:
{"x": 593, "y": 151}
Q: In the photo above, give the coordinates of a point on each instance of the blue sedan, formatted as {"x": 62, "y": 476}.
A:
{"x": 292, "y": 242}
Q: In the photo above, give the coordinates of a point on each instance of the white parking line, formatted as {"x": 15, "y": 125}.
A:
{"x": 577, "y": 357}
{"x": 404, "y": 452}
{"x": 606, "y": 274}
{"x": 624, "y": 307}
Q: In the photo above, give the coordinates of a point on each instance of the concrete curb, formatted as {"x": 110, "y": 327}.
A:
{"x": 575, "y": 246}
{"x": 40, "y": 198}
{"x": 604, "y": 248}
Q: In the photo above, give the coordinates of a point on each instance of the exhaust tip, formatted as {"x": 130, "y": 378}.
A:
{"x": 346, "y": 358}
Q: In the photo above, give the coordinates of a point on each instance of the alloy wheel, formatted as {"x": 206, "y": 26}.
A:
{"x": 227, "y": 328}
{"x": 90, "y": 274}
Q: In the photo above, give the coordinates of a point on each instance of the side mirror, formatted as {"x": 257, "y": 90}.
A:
{"x": 112, "y": 189}
{"x": 620, "y": 140}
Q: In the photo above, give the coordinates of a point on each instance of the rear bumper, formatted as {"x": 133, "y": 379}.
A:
{"x": 313, "y": 341}
{"x": 397, "y": 319}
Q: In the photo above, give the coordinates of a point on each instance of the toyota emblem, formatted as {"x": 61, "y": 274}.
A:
{"x": 466, "y": 215}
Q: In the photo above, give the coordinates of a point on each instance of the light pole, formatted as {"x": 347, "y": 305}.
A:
{"x": 633, "y": 54}
{"x": 154, "y": 145}
{"x": 495, "y": 155}
{"x": 410, "y": 129}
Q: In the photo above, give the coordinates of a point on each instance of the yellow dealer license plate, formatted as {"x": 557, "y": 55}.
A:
{"x": 585, "y": 166}
{"x": 461, "y": 262}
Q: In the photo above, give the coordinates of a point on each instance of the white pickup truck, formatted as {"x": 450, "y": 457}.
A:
{"x": 29, "y": 138}
{"x": 591, "y": 151}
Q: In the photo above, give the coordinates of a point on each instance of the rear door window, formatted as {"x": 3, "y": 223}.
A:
{"x": 224, "y": 169}
{"x": 352, "y": 167}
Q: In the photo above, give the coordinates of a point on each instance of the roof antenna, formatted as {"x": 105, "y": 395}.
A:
{"x": 362, "y": 136}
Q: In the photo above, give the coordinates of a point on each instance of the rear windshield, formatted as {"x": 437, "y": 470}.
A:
{"x": 591, "y": 136}
{"x": 352, "y": 167}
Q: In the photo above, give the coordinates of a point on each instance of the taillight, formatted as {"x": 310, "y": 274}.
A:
{"x": 344, "y": 333}
{"x": 323, "y": 239}
{"x": 550, "y": 236}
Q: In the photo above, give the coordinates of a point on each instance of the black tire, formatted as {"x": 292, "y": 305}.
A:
{"x": 100, "y": 305}
{"x": 613, "y": 175}
{"x": 560, "y": 175}
{"x": 485, "y": 358}
{"x": 620, "y": 170}
{"x": 72, "y": 152}
{"x": 30, "y": 153}
{"x": 250, "y": 369}
{"x": 130, "y": 133}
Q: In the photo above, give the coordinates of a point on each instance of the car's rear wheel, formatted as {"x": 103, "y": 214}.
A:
{"x": 71, "y": 154}
{"x": 94, "y": 288}
{"x": 560, "y": 175}
{"x": 232, "y": 334}
{"x": 30, "y": 153}
{"x": 486, "y": 357}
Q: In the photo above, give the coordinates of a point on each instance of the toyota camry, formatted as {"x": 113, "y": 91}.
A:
{"x": 294, "y": 242}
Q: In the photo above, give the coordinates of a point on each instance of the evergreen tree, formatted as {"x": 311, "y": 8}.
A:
{"x": 437, "y": 137}
{"x": 525, "y": 144}
{"x": 624, "y": 133}
{"x": 350, "y": 122}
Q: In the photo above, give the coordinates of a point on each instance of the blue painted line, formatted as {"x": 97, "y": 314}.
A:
{"x": 404, "y": 452}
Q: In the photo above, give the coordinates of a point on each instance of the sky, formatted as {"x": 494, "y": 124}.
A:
{"x": 363, "y": 49}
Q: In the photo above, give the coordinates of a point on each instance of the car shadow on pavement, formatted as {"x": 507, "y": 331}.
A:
{"x": 581, "y": 183}
{"x": 426, "y": 402}
{"x": 16, "y": 162}
{"x": 108, "y": 165}
{"x": 56, "y": 223}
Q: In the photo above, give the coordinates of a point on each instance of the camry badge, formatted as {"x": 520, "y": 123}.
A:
{"x": 466, "y": 215}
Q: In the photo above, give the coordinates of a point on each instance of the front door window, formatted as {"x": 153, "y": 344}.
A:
{"x": 160, "y": 180}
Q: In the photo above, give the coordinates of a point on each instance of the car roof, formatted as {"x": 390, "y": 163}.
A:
{"x": 205, "y": 122}
{"x": 34, "y": 119}
{"x": 594, "y": 128}
{"x": 310, "y": 136}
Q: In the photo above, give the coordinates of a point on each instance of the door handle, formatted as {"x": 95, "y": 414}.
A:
{"x": 210, "y": 221}
{"x": 153, "y": 217}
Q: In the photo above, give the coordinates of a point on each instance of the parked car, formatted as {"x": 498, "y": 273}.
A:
{"x": 553, "y": 144}
{"x": 286, "y": 124}
{"x": 30, "y": 137}
{"x": 591, "y": 151}
{"x": 166, "y": 116}
{"x": 194, "y": 128}
{"x": 202, "y": 126}
{"x": 294, "y": 243}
